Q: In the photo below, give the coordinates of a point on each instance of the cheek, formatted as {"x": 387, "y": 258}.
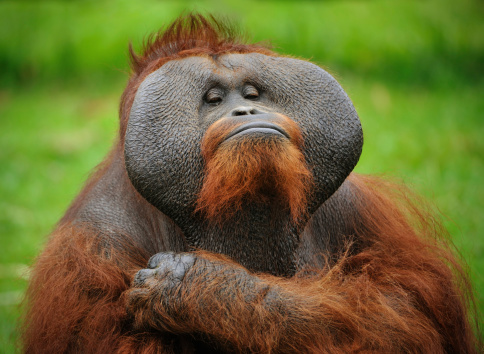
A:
{"x": 165, "y": 165}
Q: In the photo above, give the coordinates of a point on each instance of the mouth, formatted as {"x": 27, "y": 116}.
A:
{"x": 259, "y": 127}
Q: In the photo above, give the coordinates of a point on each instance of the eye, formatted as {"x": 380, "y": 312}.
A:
{"x": 250, "y": 92}
{"x": 214, "y": 96}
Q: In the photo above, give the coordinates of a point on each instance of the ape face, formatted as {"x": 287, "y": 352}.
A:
{"x": 265, "y": 106}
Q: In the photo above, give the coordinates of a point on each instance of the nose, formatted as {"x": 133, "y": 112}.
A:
{"x": 244, "y": 111}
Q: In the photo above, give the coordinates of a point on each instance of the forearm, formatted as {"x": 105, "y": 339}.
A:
{"x": 76, "y": 297}
{"x": 225, "y": 303}
{"x": 328, "y": 312}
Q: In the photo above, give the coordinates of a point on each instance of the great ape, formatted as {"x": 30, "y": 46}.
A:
{"x": 227, "y": 219}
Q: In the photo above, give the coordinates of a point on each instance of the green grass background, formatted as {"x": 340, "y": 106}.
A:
{"x": 414, "y": 70}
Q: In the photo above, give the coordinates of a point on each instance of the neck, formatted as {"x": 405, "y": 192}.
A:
{"x": 261, "y": 238}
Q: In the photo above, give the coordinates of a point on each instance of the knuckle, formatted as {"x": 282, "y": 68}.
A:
{"x": 160, "y": 258}
{"x": 141, "y": 277}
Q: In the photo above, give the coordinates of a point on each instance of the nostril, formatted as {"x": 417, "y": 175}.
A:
{"x": 244, "y": 111}
{"x": 240, "y": 113}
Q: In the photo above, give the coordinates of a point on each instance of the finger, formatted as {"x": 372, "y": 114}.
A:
{"x": 140, "y": 277}
{"x": 160, "y": 258}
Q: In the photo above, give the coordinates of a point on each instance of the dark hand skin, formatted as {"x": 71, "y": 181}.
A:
{"x": 162, "y": 298}
{"x": 165, "y": 272}
{"x": 171, "y": 275}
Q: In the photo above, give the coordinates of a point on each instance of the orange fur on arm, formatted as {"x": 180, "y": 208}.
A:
{"x": 402, "y": 291}
{"x": 76, "y": 297}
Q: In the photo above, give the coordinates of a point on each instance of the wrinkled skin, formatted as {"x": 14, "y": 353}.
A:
{"x": 165, "y": 129}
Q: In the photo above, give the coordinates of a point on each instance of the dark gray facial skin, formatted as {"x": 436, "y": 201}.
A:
{"x": 170, "y": 115}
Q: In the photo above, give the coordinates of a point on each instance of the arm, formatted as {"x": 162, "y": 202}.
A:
{"x": 190, "y": 294}
{"x": 397, "y": 293}
{"x": 77, "y": 295}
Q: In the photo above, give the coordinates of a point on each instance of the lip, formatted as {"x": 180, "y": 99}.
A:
{"x": 258, "y": 127}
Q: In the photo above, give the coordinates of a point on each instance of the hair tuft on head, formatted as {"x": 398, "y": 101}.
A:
{"x": 191, "y": 34}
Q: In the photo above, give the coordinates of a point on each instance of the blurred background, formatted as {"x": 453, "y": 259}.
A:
{"x": 414, "y": 70}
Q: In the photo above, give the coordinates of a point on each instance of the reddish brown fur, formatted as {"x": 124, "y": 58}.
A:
{"x": 67, "y": 272}
{"x": 405, "y": 291}
{"x": 252, "y": 171}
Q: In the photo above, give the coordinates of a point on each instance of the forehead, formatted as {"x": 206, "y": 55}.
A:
{"x": 237, "y": 62}
{"x": 235, "y": 67}
{"x": 231, "y": 62}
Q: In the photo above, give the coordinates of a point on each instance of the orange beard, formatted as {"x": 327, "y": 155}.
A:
{"x": 253, "y": 170}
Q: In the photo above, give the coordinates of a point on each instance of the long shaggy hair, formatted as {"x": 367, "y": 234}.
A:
{"x": 261, "y": 170}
